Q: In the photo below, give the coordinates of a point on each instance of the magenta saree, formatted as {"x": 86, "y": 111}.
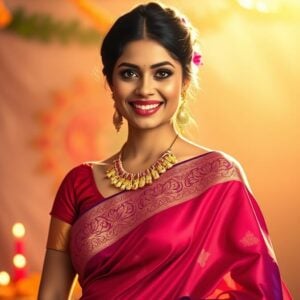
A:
{"x": 196, "y": 233}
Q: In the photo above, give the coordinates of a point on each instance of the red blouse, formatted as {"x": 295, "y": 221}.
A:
{"x": 77, "y": 193}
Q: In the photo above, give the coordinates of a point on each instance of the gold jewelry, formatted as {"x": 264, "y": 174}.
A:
{"x": 124, "y": 180}
{"x": 117, "y": 119}
{"x": 182, "y": 117}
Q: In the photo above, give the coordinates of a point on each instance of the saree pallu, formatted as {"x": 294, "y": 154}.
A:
{"x": 196, "y": 233}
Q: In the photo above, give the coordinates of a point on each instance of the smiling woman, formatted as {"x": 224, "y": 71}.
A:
{"x": 146, "y": 81}
{"x": 163, "y": 218}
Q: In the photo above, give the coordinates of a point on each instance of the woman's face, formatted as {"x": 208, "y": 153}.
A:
{"x": 146, "y": 84}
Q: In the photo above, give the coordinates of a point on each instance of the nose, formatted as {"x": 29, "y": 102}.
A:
{"x": 145, "y": 86}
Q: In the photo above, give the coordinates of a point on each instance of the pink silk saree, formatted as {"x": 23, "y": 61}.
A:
{"x": 196, "y": 233}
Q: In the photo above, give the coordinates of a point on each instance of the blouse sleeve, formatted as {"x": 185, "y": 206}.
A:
{"x": 64, "y": 206}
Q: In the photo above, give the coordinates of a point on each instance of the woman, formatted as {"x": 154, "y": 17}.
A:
{"x": 163, "y": 218}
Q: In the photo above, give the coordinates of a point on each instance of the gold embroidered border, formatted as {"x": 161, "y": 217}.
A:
{"x": 112, "y": 219}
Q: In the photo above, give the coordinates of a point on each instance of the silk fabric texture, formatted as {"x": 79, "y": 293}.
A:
{"x": 196, "y": 233}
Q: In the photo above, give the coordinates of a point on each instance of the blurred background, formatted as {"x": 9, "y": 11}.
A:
{"x": 56, "y": 112}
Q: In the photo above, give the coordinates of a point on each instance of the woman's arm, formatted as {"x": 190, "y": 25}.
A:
{"x": 57, "y": 276}
{"x": 58, "y": 273}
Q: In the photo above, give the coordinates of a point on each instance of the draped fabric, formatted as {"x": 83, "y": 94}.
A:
{"x": 196, "y": 233}
{"x": 248, "y": 105}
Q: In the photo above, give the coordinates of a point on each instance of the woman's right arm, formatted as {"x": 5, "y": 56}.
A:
{"x": 58, "y": 273}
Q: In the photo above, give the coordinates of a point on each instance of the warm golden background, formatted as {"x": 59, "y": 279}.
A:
{"x": 56, "y": 110}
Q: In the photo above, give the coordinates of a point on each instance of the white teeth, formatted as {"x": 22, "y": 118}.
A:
{"x": 146, "y": 107}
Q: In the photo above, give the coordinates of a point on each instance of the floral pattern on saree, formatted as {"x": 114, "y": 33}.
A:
{"x": 116, "y": 216}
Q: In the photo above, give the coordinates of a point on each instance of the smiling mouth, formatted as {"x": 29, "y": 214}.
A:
{"x": 144, "y": 107}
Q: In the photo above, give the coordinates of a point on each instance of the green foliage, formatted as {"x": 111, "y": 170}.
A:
{"x": 44, "y": 28}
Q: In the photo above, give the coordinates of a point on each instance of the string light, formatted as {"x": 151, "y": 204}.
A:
{"x": 18, "y": 230}
{"x": 4, "y": 278}
{"x": 19, "y": 261}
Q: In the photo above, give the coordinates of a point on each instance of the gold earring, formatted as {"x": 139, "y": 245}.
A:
{"x": 117, "y": 119}
{"x": 182, "y": 117}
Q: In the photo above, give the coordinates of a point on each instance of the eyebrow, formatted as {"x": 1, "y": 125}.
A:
{"x": 163, "y": 63}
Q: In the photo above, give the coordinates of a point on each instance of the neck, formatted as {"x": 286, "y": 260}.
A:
{"x": 144, "y": 158}
{"x": 145, "y": 144}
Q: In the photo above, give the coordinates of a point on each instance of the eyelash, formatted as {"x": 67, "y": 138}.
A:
{"x": 124, "y": 74}
{"x": 167, "y": 72}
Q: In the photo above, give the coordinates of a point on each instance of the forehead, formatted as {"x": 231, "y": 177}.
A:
{"x": 145, "y": 53}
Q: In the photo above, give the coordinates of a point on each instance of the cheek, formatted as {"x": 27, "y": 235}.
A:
{"x": 122, "y": 90}
{"x": 172, "y": 90}
{"x": 119, "y": 87}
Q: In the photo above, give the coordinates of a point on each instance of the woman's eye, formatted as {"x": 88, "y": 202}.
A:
{"x": 163, "y": 74}
{"x": 127, "y": 74}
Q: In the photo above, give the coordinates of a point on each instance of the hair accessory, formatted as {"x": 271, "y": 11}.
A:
{"x": 124, "y": 180}
{"x": 117, "y": 119}
{"x": 197, "y": 58}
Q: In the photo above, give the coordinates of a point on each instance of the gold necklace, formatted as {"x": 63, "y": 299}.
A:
{"x": 124, "y": 180}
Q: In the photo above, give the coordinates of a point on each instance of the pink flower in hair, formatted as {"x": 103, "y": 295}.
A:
{"x": 197, "y": 58}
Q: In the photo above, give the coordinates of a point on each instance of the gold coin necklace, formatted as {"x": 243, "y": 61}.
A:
{"x": 124, "y": 180}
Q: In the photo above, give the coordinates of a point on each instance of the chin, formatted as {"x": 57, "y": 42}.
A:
{"x": 149, "y": 124}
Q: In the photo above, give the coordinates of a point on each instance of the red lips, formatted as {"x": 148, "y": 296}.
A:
{"x": 145, "y": 107}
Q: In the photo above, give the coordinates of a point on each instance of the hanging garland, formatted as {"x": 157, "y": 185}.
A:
{"x": 45, "y": 28}
{"x": 5, "y": 16}
{"x": 99, "y": 16}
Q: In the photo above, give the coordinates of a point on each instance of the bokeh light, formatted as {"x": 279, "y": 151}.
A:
{"x": 4, "y": 278}
{"x": 19, "y": 261}
{"x": 18, "y": 230}
{"x": 262, "y": 6}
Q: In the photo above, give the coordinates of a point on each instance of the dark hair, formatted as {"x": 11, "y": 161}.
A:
{"x": 151, "y": 21}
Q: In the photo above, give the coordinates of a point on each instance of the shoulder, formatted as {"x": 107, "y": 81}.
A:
{"x": 227, "y": 158}
{"x": 77, "y": 174}
{"x": 225, "y": 161}
{"x": 86, "y": 166}
{"x": 78, "y": 170}
{"x": 234, "y": 161}
{"x": 187, "y": 149}
{"x": 216, "y": 165}
{"x": 85, "y": 171}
